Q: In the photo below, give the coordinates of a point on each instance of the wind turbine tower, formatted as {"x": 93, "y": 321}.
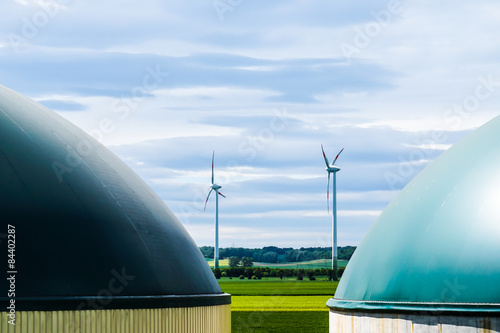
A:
{"x": 332, "y": 168}
{"x": 215, "y": 188}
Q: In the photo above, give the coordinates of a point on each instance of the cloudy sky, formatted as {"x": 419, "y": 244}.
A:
{"x": 264, "y": 83}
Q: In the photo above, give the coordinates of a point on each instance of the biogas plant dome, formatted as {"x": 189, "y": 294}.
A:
{"x": 431, "y": 262}
{"x": 94, "y": 248}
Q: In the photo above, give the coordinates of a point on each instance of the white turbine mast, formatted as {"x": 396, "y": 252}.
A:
{"x": 215, "y": 188}
{"x": 332, "y": 168}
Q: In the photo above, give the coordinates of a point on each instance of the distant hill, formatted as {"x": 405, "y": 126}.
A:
{"x": 273, "y": 254}
{"x": 310, "y": 264}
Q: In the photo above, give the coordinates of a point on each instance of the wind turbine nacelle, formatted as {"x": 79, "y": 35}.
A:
{"x": 333, "y": 168}
{"x": 216, "y": 187}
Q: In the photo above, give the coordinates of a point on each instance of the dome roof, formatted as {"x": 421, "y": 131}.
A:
{"x": 437, "y": 243}
{"x": 86, "y": 224}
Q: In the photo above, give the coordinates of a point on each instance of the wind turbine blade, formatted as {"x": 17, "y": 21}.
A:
{"x": 221, "y": 194}
{"x": 208, "y": 196}
{"x": 213, "y": 155}
{"x": 336, "y": 157}
{"x": 324, "y": 156}
{"x": 328, "y": 193}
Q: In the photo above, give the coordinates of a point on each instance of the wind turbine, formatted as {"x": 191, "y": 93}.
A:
{"x": 215, "y": 188}
{"x": 332, "y": 168}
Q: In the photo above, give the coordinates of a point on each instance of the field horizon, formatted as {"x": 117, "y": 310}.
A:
{"x": 309, "y": 264}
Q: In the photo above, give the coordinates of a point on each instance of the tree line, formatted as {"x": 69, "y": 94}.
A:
{"x": 283, "y": 273}
{"x": 273, "y": 254}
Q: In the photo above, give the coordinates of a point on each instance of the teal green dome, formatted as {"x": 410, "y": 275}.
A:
{"x": 437, "y": 245}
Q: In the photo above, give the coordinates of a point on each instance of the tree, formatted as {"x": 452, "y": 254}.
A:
{"x": 258, "y": 273}
{"x": 207, "y": 251}
{"x": 330, "y": 274}
{"x": 249, "y": 273}
{"x": 297, "y": 255}
{"x": 286, "y": 254}
{"x": 310, "y": 274}
{"x": 234, "y": 261}
{"x": 247, "y": 262}
{"x": 217, "y": 273}
{"x": 270, "y": 256}
{"x": 346, "y": 252}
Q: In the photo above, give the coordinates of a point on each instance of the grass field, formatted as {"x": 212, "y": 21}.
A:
{"x": 279, "y": 322}
{"x": 274, "y": 286}
{"x": 279, "y": 303}
{"x": 222, "y": 263}
{"x": 279, "y": 306}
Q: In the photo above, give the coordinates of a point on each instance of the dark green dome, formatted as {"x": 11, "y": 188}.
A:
{"x": 83, "y": 218}
{"x": 437, "y": 244}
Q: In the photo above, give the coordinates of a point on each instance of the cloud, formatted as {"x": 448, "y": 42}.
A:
{"x": 291, "y": 81}
{"x": 61, "y": 105}
{"x": 264, "y": 85}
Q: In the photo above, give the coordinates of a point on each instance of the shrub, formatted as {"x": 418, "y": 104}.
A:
{"x": 300, "y": 274}
{"x": 254, "y": 277}
{"x": 249, "y": 273}
{"x": 242, "y": 277}
{"x": 258, "y": 272}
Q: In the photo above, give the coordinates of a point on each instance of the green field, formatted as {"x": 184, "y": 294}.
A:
{"x": 272, "y": 305}
{"x": 279, "y": 322}
{"x": 279, "y": 303}
{"x": 222, "y": 263}
{"x": 274, "y": 286}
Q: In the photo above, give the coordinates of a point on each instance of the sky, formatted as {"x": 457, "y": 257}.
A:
{"x": 165, "y": 83}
